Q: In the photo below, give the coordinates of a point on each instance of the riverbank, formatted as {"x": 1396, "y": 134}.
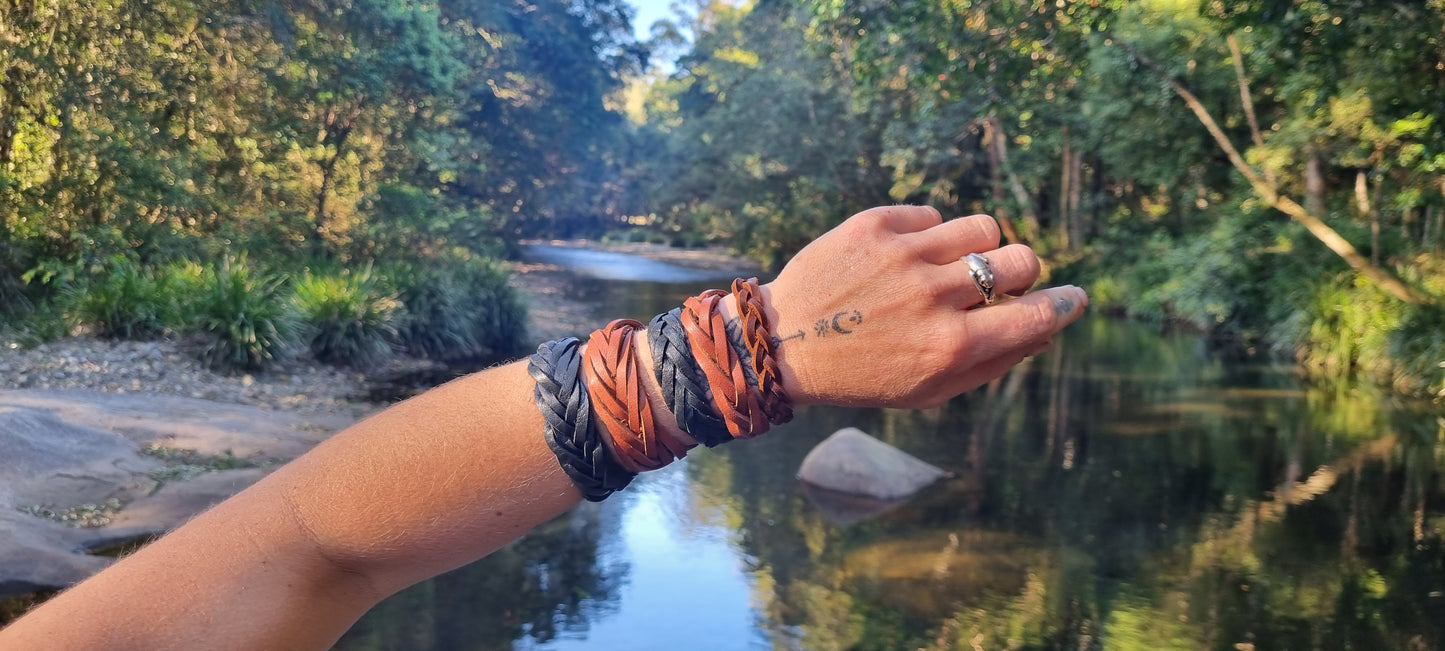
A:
{"x": 170, "y": 367}
{"x": 552, "y": 314}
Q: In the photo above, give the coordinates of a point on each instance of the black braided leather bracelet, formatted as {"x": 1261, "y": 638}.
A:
{"x": 568, "y": 414}
{"x": 677, "y": 376}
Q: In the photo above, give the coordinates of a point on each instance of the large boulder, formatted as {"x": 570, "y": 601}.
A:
{"x": 48, "y": 462}
{"x": 63, "y": 449}
{"x": 854, "y": 463}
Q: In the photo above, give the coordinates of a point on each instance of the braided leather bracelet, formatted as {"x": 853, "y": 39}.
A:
{"x": 736, "y": 400}
{"x": 612, "y": 372}
{"x": 759, "y": 341}
{"x": 677, "y": 376}
{"x": 565, "y": 408}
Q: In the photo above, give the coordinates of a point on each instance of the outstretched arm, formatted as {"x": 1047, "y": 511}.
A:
{"x": 447, "y": 477}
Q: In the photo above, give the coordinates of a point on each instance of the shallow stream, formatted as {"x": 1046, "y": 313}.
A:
{"x": 1128, "y": 489}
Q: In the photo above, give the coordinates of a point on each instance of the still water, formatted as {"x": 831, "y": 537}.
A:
{"x": 1126, "y": 490}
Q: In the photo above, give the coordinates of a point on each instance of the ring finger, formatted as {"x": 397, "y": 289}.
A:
{"x": 1015, "y": 269}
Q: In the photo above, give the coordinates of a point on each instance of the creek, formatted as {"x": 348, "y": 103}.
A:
{"x": 1130, "y": 488}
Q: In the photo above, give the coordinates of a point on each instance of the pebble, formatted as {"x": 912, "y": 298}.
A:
{"x": 170, "y": 368}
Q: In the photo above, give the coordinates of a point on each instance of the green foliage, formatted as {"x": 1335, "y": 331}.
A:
{"x": 184, "y": 284}
{"x": 244, "y": 317}
{"x": 347, "y": 317}
{"x": 46, "y": 322}
{"x": 165, "y": 130}
{"x": 127, "y": 302}
{"x": 1350, "y": 328}
{"x": 458, "y": 308}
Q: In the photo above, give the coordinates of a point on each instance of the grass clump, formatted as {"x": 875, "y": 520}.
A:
{"x": 347, "y": 317}
{"x": 1348, "y": 328}
{"x": 127, "y": 302}
{"x": 243, "y": 316}
{"x": 460, "y": 308}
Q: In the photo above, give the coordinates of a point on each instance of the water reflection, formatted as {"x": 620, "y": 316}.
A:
{"x": 1125, "y": 490}
{"x": 613, "y": 266}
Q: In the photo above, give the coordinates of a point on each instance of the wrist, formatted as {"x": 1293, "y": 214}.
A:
{"x": 663, "y": 417}
{"x": 785, "y": 348}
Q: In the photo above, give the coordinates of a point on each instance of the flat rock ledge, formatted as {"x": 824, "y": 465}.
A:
{"x": 60, "y": 449}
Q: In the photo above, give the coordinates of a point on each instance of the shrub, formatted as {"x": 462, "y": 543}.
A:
{"x": 461, "y": 307}
{"x": 243, "y": 316}
{"x": 435, "y": 321}
{"x": 1351, "y": 328}
{"x": 44, "y": 323}
{"x": 126, "y": 303}
{"x": 347, "y": 318}
{"x": 184, "y": 284}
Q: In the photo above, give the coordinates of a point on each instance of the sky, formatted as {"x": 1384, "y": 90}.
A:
{"x": 648, "y": 12}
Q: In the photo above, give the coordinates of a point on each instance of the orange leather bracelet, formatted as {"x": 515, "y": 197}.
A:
{"x": 614, "y": 384}
{"x": 759, "y": 340}
{"x": 737, "y": 402}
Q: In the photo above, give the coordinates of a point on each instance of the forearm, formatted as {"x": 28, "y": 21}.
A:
{"x": 428, "y": 485}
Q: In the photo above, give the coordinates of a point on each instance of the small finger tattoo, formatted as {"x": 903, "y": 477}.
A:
{"x": 1063, "y": 306}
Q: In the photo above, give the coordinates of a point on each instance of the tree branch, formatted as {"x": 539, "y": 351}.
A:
{"x": 1271, "y": 195}
{"x": 1244, "y": 96}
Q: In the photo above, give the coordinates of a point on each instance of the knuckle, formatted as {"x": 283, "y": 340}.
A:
{"x": 934, "y": 287}
{"x": 870, "y": 218}
{"x": 1040, "y": 319}
{"x": 1023, "y": 264}
{"x": 986, "y": 227}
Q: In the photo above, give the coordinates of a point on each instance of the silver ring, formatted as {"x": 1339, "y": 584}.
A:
{"x": 982, "y": 274}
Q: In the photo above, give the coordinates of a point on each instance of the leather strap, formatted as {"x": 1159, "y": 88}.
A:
{"x": 611, "y": 369}
{"x": 678, "y": 377}
{"x": 759, "y": 340}
{"x": 566, "y": 412}
{"x": 736, "y": 400}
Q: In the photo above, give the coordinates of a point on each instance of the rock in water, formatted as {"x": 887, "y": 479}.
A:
{"x": 853, "y": 462}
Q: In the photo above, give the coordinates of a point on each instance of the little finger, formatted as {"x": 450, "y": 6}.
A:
{"x": 1020, "y": 325}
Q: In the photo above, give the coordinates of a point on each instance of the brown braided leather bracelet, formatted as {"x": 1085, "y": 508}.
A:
{"x": 615, "y": 387}
{"x": 736, "y": 400}
{"x": 759, "y": 340}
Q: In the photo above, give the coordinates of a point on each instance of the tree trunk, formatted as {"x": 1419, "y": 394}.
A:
{"x": 1362, "y": 194}
{"x": 9, "y": 119}
{"x": 1076, "y": 174}
{"x": 1026, "y": 207}
{"x": 1096, "y": 195}
{"x": 338, "y": 129}
{"x": 1314, "y": 183}
{"x": 1425, "y": 241}
{"x": 1375, "y": 220}
{"x": 995, "y": 173}
{"x": 1267, "y": 191}
{"x": 1066, "y": 183}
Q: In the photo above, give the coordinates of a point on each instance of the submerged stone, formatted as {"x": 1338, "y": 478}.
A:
{"x": 855, "y": 463}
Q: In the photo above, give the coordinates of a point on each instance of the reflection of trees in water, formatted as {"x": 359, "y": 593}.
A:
{"x": 1113, "y": 495}
{"x": 558, "y": 578}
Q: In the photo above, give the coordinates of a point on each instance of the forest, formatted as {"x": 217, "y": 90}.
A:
{"x": 348, "y": 173}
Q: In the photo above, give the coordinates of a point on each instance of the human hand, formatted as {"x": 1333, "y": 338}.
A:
{"x": 876, "y": 312}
